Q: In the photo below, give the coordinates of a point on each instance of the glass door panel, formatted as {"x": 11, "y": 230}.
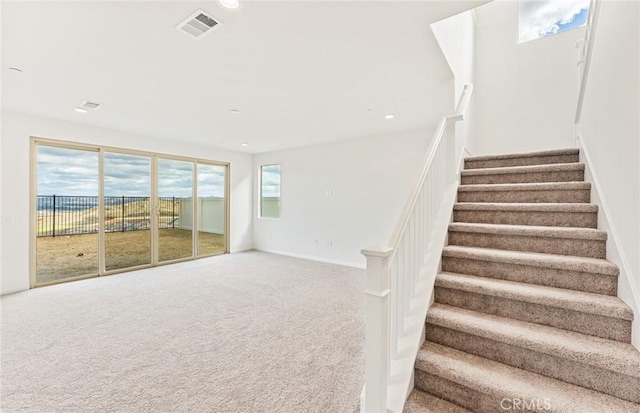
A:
{"x": 127, "y": 225}
{"x": 211, "y": 209}
{"x": 66, "y": 213}
{"x": 175, "y": 209}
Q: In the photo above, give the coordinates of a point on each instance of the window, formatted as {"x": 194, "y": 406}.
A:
{"x": 544, "y": 18}
{"x": 270, "y": 191}
{"x": 103, "y": 210}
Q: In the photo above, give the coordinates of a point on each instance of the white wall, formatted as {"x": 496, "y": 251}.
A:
{"x": 341, "y": 197}
{"x": 15, "y": 166}
{"x": 610, "y": 132}
{"x": 525, "y": 93}
{"x": 456, "y": 37}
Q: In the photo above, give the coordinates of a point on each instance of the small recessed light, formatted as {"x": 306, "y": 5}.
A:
{"x": 234, "y": 111}
{"x": 16, "y": 69}
{"x": 80, "y": 110}
{"x": 232, "y": 5}
{"x": 244, "y": 144}
{"x": 389, "y": 116}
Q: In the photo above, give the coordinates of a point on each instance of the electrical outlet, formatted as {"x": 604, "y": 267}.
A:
{"x": 6, "y": 220}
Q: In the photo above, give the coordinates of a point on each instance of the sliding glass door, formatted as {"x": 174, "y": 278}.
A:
{"x": 212, "y": 211}
{"x": 127, "y": 200}
{"x": 66, "y": 214}
{"x": 98, "y": 211}
{"x": 175, "y": 209}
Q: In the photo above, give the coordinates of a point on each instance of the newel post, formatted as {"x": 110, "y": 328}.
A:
{"x": 377, "y": 339}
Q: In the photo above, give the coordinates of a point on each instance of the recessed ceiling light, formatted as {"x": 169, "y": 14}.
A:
{"x": 389, "y": 116}
{"x": 234, "y": 111}
{"x": 16, "y": 69}
{"x": 244, "y": 144}
{"x": 80, "y": 110}
{"x": 232, "y": 5}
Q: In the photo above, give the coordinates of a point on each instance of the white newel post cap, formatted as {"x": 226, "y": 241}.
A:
{"x": 377, "y": 251}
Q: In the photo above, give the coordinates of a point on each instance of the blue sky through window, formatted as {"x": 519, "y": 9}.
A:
{"x": 543, "y": 18}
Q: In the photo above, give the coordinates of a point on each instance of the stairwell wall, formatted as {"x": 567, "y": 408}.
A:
{"x": 456, "y": 37}
{"x": 340, "y": 197}
{"x": 525, "y": 93}
{"x": 610, "y": 132}
{"x": 15, "y": 165}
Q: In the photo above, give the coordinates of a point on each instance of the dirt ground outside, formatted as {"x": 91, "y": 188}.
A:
{"x": 76, "y": 255}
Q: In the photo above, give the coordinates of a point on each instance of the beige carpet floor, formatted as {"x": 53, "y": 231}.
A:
{"x": 249, "y": 332}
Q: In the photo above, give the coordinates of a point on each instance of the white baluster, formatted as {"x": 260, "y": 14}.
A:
{"x": 407, "y": 271}
{"x": 401, "y": 290}
{"x": 393, "y": 273}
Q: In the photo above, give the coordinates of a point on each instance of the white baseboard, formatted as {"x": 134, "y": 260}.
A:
{"x": 627, "y": 286}
{"x": 313, "y": 258}
{"x": 13, "y": 291}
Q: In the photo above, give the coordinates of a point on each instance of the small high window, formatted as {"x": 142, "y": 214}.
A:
{"x": 543, "y": 18}
{"x": 270, "y": 191}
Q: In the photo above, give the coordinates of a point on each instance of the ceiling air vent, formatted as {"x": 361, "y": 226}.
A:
{"x": 89, "y": 105}
{"x": 198, "y": 24}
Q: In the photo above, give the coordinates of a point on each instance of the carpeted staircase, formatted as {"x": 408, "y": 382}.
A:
{"x": 526, "y": 316}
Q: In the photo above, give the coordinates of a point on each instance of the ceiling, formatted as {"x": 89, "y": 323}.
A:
{"x": 300, "y": 73}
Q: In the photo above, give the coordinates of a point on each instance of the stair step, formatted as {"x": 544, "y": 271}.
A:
{"x": 562, "y": 172}
{"x": 595, "y": 363}
{"x": 521, "y": 159}
{"x": 593, "y": 314}
{"x": 538, "y": 214}
{"x": 565, "y": 192}
{"x": 421, "y": 402}
{"x": 486, "y": 386}
{"x": 583, "y": 242}
{"x": 590, "y": 275}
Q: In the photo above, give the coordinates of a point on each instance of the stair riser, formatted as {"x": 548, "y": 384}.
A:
{"x": 550, "y": 277}
{"x": 467, "y": 397}
{"x": 592, "y": 324}
{"x": 525, "y": 161}
{"x": 521, "y": 178}
{"x": 585, "y": 375}
{"x": 421, "y": 402}
{"x": 548, "y": 245}
{"x": 560, "y": 196}
{"x": 550, "y": 219}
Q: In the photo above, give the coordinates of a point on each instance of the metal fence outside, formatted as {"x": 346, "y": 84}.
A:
{"x": 75, "y": 215}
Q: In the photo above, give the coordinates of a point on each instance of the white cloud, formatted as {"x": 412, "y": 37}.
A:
{"x": 539, "y": 18}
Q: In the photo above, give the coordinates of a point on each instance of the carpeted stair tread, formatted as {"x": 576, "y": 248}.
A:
{"x": 534, "y": 259}
{"x": 597, "y": 304}
{"x": 499, "y": 381}
{"x": 599, "y": 352}
{"x": 550, "y": 214}
{"x": 532, "y": 231}
{"x": 535, "y": 186}
{"x": 555, "y": 152}
{"x": 525, "y": 207}
{"x": 421, "y": 402}
{"x": 559, "y": 167}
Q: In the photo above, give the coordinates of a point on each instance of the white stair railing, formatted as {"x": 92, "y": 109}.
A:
{"x": 401, "y": 276}
{"x": 586, "y": 51}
